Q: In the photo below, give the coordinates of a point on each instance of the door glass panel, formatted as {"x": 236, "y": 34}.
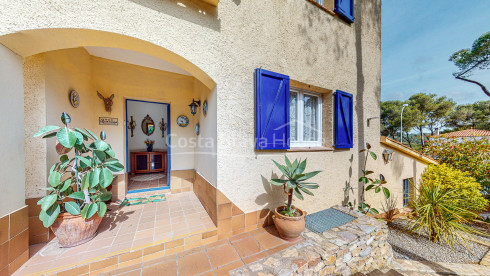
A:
{"x": 157, "y": 162}
{"x": 141, "y": 162}
{"x": 310, "y": 118}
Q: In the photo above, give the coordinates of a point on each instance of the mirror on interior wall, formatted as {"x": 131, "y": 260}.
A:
{"x": 148, "y": 126}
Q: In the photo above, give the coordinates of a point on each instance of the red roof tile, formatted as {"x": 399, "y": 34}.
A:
{"x": 468, "y": 133}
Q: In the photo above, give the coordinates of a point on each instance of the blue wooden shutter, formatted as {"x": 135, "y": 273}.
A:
{"x": 271, "y": 110}
{"x": 345, "y": 8}
{"x": 343, "y": 120}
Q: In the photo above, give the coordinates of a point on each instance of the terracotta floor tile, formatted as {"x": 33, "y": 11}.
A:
{"x": 97, "y": 244}
{"x": 222, "y": 255}
{"x": 162, "y": 235}
{"x": 141, "y": 242}
{"x": 224, "y": 271}
{"x": 246, "y": 247}
{"x": 278, "y": 248}
{"x": 190, "y": 251}
{"x": 146, "y": 225}
{"x": 193, "y": 264}
{"x": 239, "y": 237}
{"x": 268, "y": 241}
{"x": 143, "y": 234}
{"x": 255, "y": 257}
{"x": 167, "y": 268}
{"x": 217, "y": 243}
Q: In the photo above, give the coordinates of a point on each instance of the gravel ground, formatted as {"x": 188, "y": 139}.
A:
{"x": 419, "y": 248}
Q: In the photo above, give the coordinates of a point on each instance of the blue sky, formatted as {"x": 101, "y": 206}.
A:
{"x": 417, "y": 38}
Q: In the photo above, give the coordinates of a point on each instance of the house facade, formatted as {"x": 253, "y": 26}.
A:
{"x": 298, "y": 78}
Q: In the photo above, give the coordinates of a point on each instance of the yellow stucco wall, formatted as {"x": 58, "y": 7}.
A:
{"x": 221, "y": 47}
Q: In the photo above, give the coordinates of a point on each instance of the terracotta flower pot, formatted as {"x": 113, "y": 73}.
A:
{"x": 74, "y": 230}
{"x": 290, "y": 228}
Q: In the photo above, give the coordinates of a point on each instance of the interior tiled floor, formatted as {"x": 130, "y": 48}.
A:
{"x": 127, "y": 228}
{"x": 137, "y": 182}
{"x": 217, "y": 258}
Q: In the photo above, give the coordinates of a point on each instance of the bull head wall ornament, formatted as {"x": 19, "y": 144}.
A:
{"x": 107, "y": 101}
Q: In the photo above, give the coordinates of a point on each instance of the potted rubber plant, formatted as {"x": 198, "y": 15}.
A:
{"x": 290, "y": 220}
{"x": 78, "y": 183}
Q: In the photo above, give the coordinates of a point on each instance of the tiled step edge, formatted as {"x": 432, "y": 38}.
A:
{"x": 135, "y": 255}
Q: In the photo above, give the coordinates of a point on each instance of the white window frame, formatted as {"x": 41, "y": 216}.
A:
{"x": 300, "y": 114}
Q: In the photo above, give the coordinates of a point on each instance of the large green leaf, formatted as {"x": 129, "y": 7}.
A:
{"x": 101, "y": 145}
{"x": 301, "y": 167}
{"x": 100, "y": 154}
{"x": 281, "y": 168}
{"x": 92, "y": 134}
{"x": 48, "y": 201}
{"x": 106, "y": 196}
{"x": 54, "y": 179}
{"x": 306, "y": 191}
{"x": 72, "y": 208}
{"x": 89, "y": 210}
{"x": 77, "y": 195}
{"x": 373, "y": 155}
{"x": 111, "y": 161}
{"x": 84, "y": 161}
{"x": 49, "y": 216}
{"x": 309, "y": 175}
{"x": 297, "y": 193}
{"x": 45, "y": 130}
{"x": 115, "y": 167}
{"x": 102, "y": 208}
{"x": 94, "y": 177}
{"x": 66, "y": 184}
{"x": 105, "y": 178}
{"x": 79, "y": 136}
{"x": 110, "y": 152}
{"x": 278, "y": 182}
{"x": 86, "y": 181}
{"x": 66, "y": 138}
{"x": 288, "y": 163}
{"x": 65, "y": 118}
{"x": 84, "y": 134}
{"x": 386, "y": 192}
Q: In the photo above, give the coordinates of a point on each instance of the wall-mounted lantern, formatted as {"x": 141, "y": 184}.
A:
{"x": 194, "y": 105}
{"x": 387, "y": 154}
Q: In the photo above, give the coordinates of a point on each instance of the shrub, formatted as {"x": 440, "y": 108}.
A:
{"x": 472, "y": 156}
{"x": 442, "y": 213}
{"x": 463, "y": 185}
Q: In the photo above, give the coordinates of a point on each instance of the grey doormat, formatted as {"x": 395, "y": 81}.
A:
{"x": 324, "y": 220}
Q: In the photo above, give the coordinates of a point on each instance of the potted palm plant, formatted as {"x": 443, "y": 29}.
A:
{"x": 290, "y": 220}
{"x": 78, "y": 183}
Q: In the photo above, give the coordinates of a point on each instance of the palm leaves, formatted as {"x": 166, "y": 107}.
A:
{"x": 444, "y": 214}
{"x": 294, "y": 179}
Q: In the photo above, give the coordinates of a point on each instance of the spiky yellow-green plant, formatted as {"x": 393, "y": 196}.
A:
{"x": 444, "y": 214}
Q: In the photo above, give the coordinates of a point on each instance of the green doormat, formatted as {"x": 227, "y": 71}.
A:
{"x": 142, "y": 200}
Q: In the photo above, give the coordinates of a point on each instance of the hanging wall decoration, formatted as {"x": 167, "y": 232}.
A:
{"x": 132, "y": 125}
{"x": 147, "y": 125}
{"x": 107, "y": 101}
{"x": 198, "y": 129}
{"x": 205, "y": 107}
{"x": 163, "y": 127}
{"x": 74, "y": 98}
{"x": 182, "y": 121}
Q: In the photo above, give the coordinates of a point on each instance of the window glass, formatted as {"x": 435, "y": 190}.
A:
{"x": 293, "y": 115}
{"x": 310, "y": 118}
{"x": 319, "y": 2}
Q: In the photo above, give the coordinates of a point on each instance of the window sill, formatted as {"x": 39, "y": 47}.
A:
{"x": 309, "y": 149}
{"x": 322, "y": 7}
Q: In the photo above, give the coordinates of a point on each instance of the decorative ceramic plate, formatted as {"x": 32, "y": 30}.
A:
{"x": 182, "y": 121}
{"x": 198, "y": 129}
{"x": 205, "y": 107}
{"x": 74, "y": 98}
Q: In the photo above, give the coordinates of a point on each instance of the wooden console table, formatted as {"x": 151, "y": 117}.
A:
{"x": 148, "y": 162}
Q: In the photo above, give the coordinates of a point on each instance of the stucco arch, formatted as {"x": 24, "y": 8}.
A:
{"x": 31, "y": 42}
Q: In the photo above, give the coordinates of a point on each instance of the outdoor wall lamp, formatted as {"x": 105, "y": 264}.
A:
{"x": 387, "y": 154}
{"x": 194, "y": 105}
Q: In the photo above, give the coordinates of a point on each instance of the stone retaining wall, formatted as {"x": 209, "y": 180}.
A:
{"x": 358, "y": 246}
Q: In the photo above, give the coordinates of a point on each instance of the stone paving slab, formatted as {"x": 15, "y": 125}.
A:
{"x": 407, "y": 267}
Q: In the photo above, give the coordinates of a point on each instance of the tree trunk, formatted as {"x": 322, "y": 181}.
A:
{"x": 290, "y": 198}
{"x": 408, "y": 139}
{"x": 483, "y": 88}
{"x": 421, "y": 136}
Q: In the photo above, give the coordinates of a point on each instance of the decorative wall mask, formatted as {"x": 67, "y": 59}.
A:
{"x": 131, "y": 125}
{"x": 107, "y": 101}
{"x": 205, "y": 107}
{"x": 163, "y": 127}
{"x": 182, "y": 121}
{"x": 74, "y": 98}
{"x": 147, "y": 125}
